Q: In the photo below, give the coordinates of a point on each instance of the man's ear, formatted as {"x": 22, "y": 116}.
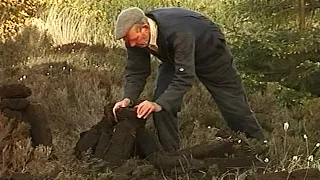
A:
{"x": 145, "y": 25}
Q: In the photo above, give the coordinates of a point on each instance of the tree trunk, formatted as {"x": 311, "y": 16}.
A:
{"x": 302, "y": 15}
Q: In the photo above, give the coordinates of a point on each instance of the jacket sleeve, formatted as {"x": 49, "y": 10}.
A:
{"x": 184, "y": 63}
{"x": 137, "y": 71}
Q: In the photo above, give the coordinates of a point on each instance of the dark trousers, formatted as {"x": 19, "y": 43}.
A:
{"x": 224, "y": 84}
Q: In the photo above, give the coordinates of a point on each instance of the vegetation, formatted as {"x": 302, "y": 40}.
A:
{"x": 65, "y": 52}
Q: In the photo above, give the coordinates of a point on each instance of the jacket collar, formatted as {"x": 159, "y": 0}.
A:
{"x": 153, "y": 35}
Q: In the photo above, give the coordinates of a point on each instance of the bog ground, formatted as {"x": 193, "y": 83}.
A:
{"x": 74, "y": 99}
{"x": 66, "y": 70}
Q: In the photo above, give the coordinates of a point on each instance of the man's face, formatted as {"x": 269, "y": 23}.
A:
{"x": 138, "y": 35}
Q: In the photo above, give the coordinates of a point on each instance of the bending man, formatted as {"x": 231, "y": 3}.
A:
{"x": 188, "y": 45}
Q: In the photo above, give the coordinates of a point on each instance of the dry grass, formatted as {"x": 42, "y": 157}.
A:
{"x": 63, "y": 24}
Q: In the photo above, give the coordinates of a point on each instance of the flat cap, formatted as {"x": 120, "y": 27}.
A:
{"x": 126, "y": 19}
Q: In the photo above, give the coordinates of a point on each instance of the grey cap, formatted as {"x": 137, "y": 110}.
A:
{"x": 126, "y": 19}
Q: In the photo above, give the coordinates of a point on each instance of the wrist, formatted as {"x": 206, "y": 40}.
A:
{"x": 158, "y": 107}
{"x": 128, "y": 101}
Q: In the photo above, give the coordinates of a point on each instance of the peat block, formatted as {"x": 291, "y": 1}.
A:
{"x": 96, "y": 138}
{"x": 124, "y": 135}
{"x": 40, "y": 130}
{"x": 88, "y": 140}
{"x": 14, "y": 91}
{"x": 121, "y": 145}
{"x": 12, "y": 114}
{"x": 15, "y": 103}
{"x": 201, "y": 151}
{"x": 167, "y": 162}
{"x": 235, "y": 162}
{"x": 112, "y": 139}
{"x": 146, "y": 143}
{"x": 102, "y": 144}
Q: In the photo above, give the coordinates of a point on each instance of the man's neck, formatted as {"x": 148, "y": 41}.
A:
{"x": 153, "y": 35}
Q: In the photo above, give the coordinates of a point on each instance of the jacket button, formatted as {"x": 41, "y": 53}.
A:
{"x": 181, "y": 69}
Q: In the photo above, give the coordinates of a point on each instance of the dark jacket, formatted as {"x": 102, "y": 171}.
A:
{"x": 186, "y": 39}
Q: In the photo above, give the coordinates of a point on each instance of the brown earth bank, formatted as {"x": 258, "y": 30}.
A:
{"x": 127, "y": 148}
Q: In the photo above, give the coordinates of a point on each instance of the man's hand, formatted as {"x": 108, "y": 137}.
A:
{"x": 121, "y": 104}
{"x": 145, "y": 108}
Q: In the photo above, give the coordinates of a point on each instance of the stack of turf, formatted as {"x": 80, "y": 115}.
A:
{"x": 17, "y": 110}
{"x": 116, "y": 140}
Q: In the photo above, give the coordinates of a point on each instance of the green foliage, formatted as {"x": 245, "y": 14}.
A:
{"x": 286, "y": 97}
{"x": 268, "y": 41}
{"x": 284, "y": 13}
{"x": 276, "y": 54}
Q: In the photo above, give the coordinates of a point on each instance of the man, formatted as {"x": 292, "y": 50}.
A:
{"x": 189, "y": 45}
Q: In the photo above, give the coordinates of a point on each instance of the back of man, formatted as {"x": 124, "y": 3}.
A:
{"x": 176, "y": 22}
